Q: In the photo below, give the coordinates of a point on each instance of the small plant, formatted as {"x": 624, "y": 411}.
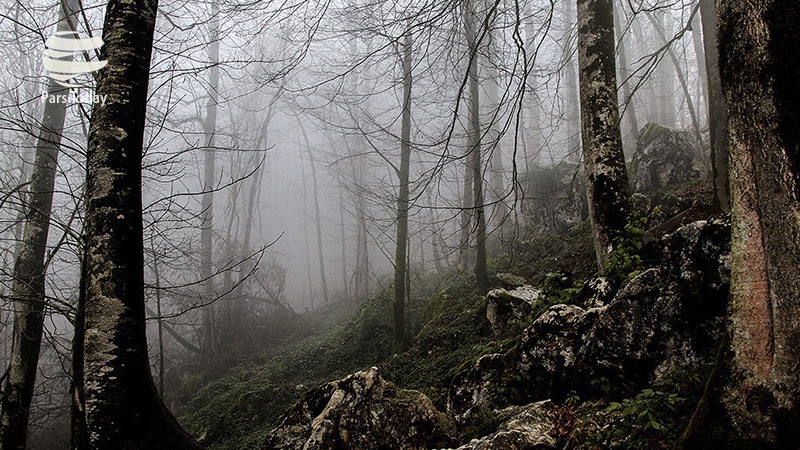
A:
{"x": 625, "y": 261}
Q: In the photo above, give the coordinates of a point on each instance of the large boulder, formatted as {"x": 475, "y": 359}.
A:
{"x": 526, "y": 427}
{"x": 504, "y": 305}
{"x": 362, "y": 412}
{"x": 666, "y": 158}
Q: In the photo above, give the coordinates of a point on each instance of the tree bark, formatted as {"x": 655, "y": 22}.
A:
{"x": 717, "y": 111}
{"x": 401, "y": 241}
{"x": 603, "y": 159}
{"x": 28, "y": 285}
{"x": 759, "y": 67}
{"x": 121, "y": 408}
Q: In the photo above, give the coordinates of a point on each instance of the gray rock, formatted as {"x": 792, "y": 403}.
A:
{"x": 504, "y": 305}
{"x": 547, "y": 357}
{"x": 523, "y": 428}
{"x": 666, "y": 158}
{"x": 362, "y": 412}
{"x": 473, "y": 390}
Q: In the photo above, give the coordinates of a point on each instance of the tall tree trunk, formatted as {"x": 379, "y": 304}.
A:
{"x": 345, "y": 287}
{"x": 28, "y": 285}
{"x": 717, "y": 112}
{"x": 121, "y": 408}
{"x": 493, "y": 116}
{"x": 467, "y": 202}
{"x": 630, "y": 108}
{"x": 533, "y": 138}
{"x": 664, "y": 77}
{"x": 681, "y": 79}
{"x": 759, "y": 65}
{"x": 401, "y": 244}
{"x": 573, "y": 100}
{"x": 603, "y": 159}
{"x": 474, "y": 145}
{"x": 321, "y": 250}
{"x": 700, "y": 56}
{"x": 207, "y": 203}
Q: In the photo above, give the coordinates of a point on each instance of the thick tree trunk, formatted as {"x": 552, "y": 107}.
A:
{"x": 120, "y": 408}
{"x": 603, "y": 159}
{"x": 717, "y": 112}
{"x": 759, "y": 65}
{"x": 28, "y": 286}
{"x": 401, "y": 241}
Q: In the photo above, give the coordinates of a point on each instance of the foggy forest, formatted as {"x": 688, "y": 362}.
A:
{"x": 372, "y": 225}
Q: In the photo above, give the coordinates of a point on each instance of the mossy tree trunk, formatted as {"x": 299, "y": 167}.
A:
{"x": 603, "y": 159}
{"x": 760, "y": 69}
{"x": 120, "y": 407}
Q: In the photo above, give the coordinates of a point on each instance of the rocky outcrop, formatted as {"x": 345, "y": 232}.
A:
{"x": 362, "y": 412}
{"x": 667, "y": 316}
{"x": 522, "y": 428}
{"x": 504, "y": 305}
{"x": 666, "y": 158}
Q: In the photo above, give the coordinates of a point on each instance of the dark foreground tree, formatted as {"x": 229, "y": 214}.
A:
{"x": 28, "y": 288}
{"x": 760, "y": 70}
{"x": 118, "y": 404}
{"x": 603, "y": 159}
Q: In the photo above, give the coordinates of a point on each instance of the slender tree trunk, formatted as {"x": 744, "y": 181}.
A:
{"x": 630, "y": 109}
{"x": 315, "y": 188}
{"x": 401, "y": 244}
{"x": 681, "y": 79}
{"x": 207, "y": 227}
{"x": 533, "y": 138}
{"x": 121, "y": 408}
{"x": 305, "y": 234}
{"x": 474, "y": 140}
{"x": 700, "y": 55}
{"x": 160, "y": 321}
{"x": 603, "y": 159}
{"x": 717, "y": 112}
{"x": 573, "y": 99}
{"x": 28, "y": 285}
{"x": 664, "y": 78}
{"x": 759, "y": 65}
{"x": 345, "y": 286}
{"x": 467, "y": 202}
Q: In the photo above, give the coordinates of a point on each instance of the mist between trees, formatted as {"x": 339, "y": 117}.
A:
{"x": 297, "y": 156}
